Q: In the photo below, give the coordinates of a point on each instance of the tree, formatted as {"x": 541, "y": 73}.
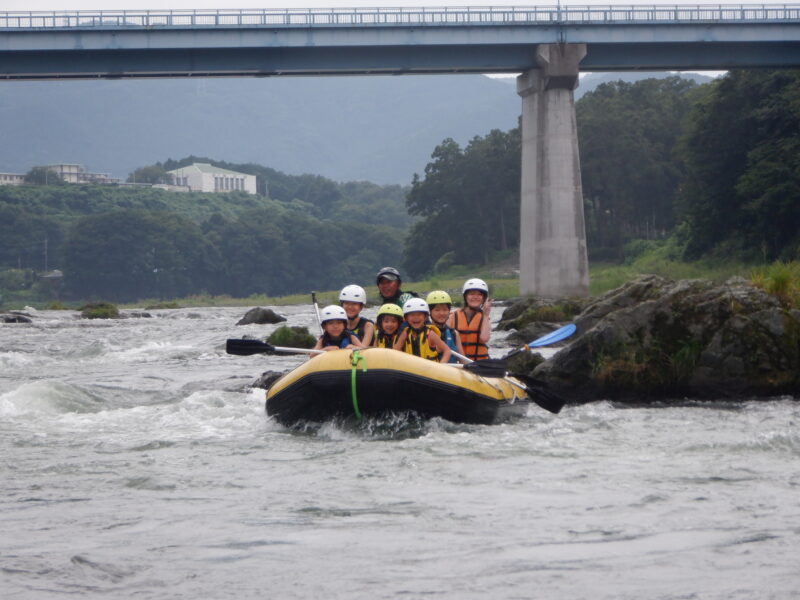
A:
{"x": 43, "y": 176}
{"x": 468, "y": 202}
{"x": 627, "y": 135}
{"x": 151, "y": 174}
{"x": 126, "y": 255}
{"x": 742, "y": 189}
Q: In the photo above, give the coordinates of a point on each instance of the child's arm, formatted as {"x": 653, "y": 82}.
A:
{"x": 318, "y": 345}
{"x": 435, "y": 342}
{"x": 486, "y": 323}
{"x": 355, "y": 343}
{"x": 369, "y": 331}
{"x": 401, "y": 340}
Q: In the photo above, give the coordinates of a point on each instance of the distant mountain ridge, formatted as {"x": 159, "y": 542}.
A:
{"x": 381, "y": 129}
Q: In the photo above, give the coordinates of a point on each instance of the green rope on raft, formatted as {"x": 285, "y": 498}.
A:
{"x": 355, "y": 359}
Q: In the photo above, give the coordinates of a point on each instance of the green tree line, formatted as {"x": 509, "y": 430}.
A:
{"x": 716, "y": 166}
{"x": 126, "y": 243}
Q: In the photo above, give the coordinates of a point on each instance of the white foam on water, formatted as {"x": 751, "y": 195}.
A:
{"x": 148, "y": 352}
{"x": 48, "y": 398}
{"x": 16, "y": 360}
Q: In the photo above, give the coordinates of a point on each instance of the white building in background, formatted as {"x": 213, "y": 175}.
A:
{"x": 203, "y": 177}
{"x": 78, "y": 174}
{"x": 12, "y": 178}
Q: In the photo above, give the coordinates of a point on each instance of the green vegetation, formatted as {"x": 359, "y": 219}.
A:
{"x": 741, "y": 148}
{"x": 468, "y": 203}
{"x": 666, "y": 365}
{"x": 780, "y": 279}
{"x": 292, "y": 337}
{"x": 714, "y": 169}
{"x": 630, "y": 176}
{"x": 680, "y": 180}
{"x": 126, "y": 243}
{"x": 162, "y": 305}
{"x": 99, "y": 310}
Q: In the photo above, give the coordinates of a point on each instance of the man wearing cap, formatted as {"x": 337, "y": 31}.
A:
{"x": 389, "y": 282}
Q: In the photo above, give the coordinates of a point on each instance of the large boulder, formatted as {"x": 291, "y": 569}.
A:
{"x": 260, "y": 316}
{"x": 267, "y": 378}
{"x": 534, "y": 311}
{"x": 654, "y": 338}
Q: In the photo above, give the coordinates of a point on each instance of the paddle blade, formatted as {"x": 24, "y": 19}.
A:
{"x": 546, "y": 400}
{"x": 248, "y": 347}
{"x": 542, "y": 397}
{"x": 559, "y": 334}
{"x": 491, "y": 367}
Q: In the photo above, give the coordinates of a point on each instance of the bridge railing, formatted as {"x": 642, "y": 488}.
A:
{"x": 402, "y": 16}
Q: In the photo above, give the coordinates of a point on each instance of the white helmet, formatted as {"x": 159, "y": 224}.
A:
{"x": 415, "y": 305}
{"x": 333, "y": 313}
{"x": 353, "y": 293}
{"x": 475, "y": 284}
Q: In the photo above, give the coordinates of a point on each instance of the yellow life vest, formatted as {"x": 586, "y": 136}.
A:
{"x": 381, "y": 340}
{"x": 417, "y": 343}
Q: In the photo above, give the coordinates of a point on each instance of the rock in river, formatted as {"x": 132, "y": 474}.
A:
{"x": 260, "y": 316}
{"x": 654, "y": 338}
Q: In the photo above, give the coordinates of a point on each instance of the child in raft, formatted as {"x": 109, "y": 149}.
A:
{"x": 387, "y": 325}
{"x": 421, "y": 338}
{"x": 352, "y": 299}
{"x": 473, "y": 321}
{"x": 335, "y": 333}
{"x": 440, "y": 303}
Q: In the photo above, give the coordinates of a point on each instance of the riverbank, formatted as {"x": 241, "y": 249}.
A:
{"x": 502, "y": 278}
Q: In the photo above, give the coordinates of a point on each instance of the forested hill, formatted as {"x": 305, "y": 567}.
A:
{"x": 693, "y": 171}
{"x": 377, "y": 129}
{"x": 125, "y": 243}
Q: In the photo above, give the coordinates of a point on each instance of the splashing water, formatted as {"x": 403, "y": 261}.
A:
{"x": 137, "y": 462}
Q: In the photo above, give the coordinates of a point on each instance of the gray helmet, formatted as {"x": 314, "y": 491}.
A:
{"x": 388, "y": 273}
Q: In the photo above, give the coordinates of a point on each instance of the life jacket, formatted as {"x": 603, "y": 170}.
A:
{"x": 470, "y": 333}
{"x": 342, "y": 341}
{"x": 418, "y": 345}
{"x": 381, "y": 340}
{"x": 358, "y": 330}
{"x": 448, "y": 335}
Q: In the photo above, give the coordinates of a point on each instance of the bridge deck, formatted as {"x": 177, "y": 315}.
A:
{"x": 264, "y": 42}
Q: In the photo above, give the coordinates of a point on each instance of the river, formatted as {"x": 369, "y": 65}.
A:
{"x": 137, "y": 463}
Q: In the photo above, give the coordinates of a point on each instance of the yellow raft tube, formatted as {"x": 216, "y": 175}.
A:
{"x": 376, "y": 381}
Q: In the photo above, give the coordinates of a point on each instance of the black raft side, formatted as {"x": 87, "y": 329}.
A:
{"x": 323, "y": 395}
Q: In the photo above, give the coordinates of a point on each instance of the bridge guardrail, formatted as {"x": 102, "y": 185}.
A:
{"x": 402, "y": 16}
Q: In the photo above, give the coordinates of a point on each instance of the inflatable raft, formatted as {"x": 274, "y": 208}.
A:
{"x": 377, "y": 381}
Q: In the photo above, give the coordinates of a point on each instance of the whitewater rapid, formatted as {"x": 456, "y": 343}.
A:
{"x": 138, "y": 463}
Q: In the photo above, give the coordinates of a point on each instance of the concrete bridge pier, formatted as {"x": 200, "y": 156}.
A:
{"x": 553, "y": 260}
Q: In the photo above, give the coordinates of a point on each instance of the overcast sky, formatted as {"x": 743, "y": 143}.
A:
{"x": 66, "y": 5}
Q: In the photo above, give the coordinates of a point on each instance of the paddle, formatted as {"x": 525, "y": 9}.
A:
{"x": 250, "y": 347}
{"x": 496, "y": 367}
{"x": 559, "y": 334}
{"x": 316, "y": 310}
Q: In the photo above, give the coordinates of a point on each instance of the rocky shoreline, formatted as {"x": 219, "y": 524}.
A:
{"x": 654, "y": 339}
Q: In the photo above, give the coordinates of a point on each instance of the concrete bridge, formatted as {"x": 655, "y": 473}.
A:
{"x": 548, "y": 45}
